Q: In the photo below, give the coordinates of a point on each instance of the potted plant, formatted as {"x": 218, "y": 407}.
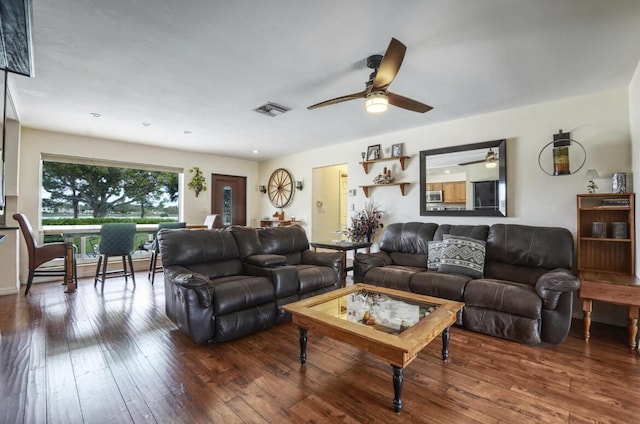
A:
{"x": 365, "y": 223}
{"x": 198, "y": 182}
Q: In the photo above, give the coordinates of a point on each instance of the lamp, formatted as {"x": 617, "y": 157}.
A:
{"x": 490, "y": 161}
{"x": 262, "y": 189}
{"x": 299, "y": 185}
{"x": 591, "y": 175}
{"x": 377, "y": 102}
{"x": 561, "y": 143}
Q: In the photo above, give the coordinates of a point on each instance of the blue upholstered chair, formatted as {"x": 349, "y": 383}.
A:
{"x": 155, "y": 249}
{"x": 116, "y": 239}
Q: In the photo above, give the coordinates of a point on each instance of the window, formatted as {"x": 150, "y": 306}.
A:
{"x": 91, "y": 194}
{"x": 75, "y": 192}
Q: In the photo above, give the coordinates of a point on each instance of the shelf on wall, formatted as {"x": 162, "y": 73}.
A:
{"x": 365, "y": 163}
{"x": 366, "y": 188}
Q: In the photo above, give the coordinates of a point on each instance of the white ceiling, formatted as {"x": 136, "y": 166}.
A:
{"x": 204, "y": 65}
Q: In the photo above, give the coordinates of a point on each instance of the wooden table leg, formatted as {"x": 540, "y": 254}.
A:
{"x": 587, "y": 306}
{"x": 633, "y": 326}
{"x": 397, "y": 388}
{"x": 303, "y": 345}
{"x": 69, "y": 268}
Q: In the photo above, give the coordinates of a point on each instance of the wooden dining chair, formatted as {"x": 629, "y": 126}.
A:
{"x": 116, "y": 239}
{"x": 41, "y": 254}
{"x": 155, "y": 249}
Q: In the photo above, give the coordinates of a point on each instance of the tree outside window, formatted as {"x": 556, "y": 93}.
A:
{"x": 79, "y": 191}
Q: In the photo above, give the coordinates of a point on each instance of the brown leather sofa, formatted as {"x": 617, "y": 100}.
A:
{"x": 221, "y": 284}
{"x": 525, "y": 290}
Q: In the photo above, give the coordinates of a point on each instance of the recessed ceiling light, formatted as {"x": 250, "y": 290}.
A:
{"x": 96, "y": 114}
{"x": 187, "y": 132}
{"x": 255, "y": 152}
{"x": 146, "y": 124}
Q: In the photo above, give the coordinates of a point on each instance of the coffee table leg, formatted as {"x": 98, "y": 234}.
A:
{"x": 303, "y": 345}
{"x": 445, "y": 344}
{"x": 397, "y": 388}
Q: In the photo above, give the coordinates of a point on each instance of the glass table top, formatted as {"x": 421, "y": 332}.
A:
{"x": 376, "y": 310}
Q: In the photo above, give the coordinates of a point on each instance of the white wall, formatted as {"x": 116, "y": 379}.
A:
{"x": 35, "y": 143}
{"x": 598, "y": 121}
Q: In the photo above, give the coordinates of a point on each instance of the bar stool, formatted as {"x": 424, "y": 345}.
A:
{"x": 154, "y": 248}
{"x": 116, "y": 239}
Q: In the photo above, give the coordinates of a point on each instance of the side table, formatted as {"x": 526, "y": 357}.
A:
{"x": 342, "y": 246}
{"x": 620, "y": 289}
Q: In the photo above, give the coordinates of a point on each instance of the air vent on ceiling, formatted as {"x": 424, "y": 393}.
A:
{"x": 272, "y": 109}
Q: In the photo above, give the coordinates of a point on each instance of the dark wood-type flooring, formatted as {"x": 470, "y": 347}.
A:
{"x": 113, "y": 356}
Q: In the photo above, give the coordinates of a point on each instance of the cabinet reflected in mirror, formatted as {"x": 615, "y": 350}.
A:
{"x": 467, "y": 180}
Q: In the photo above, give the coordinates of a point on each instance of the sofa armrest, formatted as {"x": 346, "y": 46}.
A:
{"x": 363, "y": 262}
{"x": 330, "y": 259}
{"x": 266, "y": 261}
{"x": 189, "y": 303}
{"x": 284, "y": 278}
{"x": 188, "y": 279}
{"x": 552, "y": 284}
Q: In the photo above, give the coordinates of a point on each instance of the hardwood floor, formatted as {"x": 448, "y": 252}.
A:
{"x": 113, "y": 356}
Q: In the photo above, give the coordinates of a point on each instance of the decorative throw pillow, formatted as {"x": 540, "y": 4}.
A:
{"x": 463, "y": 255}
{"x": 434, "y": 249}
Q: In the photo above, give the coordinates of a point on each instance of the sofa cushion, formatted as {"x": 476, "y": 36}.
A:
{"x": 179, "y": 247}
{"x": 218, "y": 269}
{"x": 268, "y": 261}
{"x": 446, "y": 286}
{"x": 409, "y": 237}
{"x": 537, "y": 247}
{"x": 313, "y": 277}
{"x": 505, "y": 296}
{"x": 247, "y": 240}
{"x": 392, "y": 276}
{"x": 235, "y": 293}
{"x": 409, "y": 259}
{"x": 478, "y": 232}
{"x": 435, "y": 255}
{"x": 462, "y": 255}
{"x": 283, "y": 240}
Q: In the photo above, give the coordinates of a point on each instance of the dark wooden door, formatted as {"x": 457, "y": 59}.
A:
{"x": 229, "y": 198}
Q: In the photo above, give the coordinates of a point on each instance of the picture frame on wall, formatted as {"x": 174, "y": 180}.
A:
{"x": 373, "y": 152}
{"x": 396, "y": 150}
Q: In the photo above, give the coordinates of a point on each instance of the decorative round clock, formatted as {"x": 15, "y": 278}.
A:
{"x": 280, "y": 188}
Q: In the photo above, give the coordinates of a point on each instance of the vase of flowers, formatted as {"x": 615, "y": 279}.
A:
{"x": 365, "y": 223}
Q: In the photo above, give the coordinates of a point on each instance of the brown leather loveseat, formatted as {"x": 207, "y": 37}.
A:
{"x": 516, "y": 281}
{"x": 221, "y": 284}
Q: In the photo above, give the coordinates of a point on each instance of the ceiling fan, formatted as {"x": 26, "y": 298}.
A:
{"x": 490, "y": 160}
{"x": 385, "y": 69}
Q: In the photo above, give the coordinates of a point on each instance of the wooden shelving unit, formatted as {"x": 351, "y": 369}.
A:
{"x": 402, "y": 159}
{"x": 366, "y": 188}
{"x": 606, "y": 254}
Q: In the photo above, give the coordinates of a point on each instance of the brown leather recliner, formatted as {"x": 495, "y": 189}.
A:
{"x": 222, "y": 284}
{"x": 525, "y": 293}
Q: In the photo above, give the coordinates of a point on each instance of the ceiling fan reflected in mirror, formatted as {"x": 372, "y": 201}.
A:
{"x": 490, "y": 160}
{"x": 378, "y": 98}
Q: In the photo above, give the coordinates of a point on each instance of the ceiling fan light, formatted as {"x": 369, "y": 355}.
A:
{"x": 377, "y": 102}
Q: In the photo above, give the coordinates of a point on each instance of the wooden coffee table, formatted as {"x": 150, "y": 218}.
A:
{"x": 392, "y": 324}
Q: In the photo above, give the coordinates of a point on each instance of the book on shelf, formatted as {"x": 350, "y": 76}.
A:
{"x": 614, "y": 202}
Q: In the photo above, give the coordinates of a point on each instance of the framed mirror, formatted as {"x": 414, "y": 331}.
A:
{"x": 467, "y": 180}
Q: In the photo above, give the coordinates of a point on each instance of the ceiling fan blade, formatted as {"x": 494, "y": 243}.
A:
{"x": 354, "y": 96}
{"x": 390, "y": 65}
{"x": 407, "y": 103}
{"x": 472, "y": 162}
